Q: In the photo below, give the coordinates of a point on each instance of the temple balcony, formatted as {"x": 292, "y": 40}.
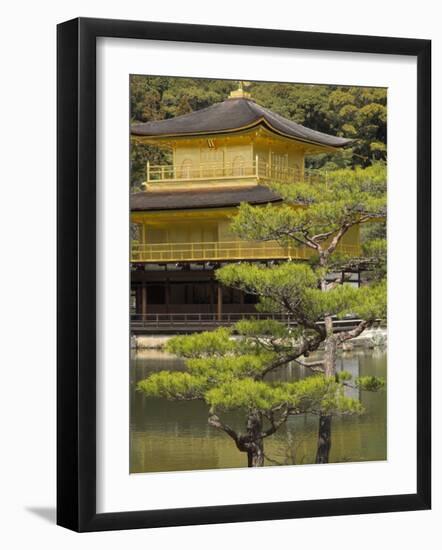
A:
{"x": 223, "y": 251}
{"x": 225, "y": 173}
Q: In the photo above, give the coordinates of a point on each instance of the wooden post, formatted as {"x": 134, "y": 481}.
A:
{"x": 138, "y": 305}
{"x": 143, "y": 300}
{"x": 211, "y": 297}
{"x": 147, "y": 171}
{"x": 220, "y": 302}
{"x": 167, "y": 296}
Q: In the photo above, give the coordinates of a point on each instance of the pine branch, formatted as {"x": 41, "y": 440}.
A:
{"x": 315, "y": 366}
{"x": 322, "y": 236}
{"x": 359, "y": 329}
{"x": 215, "y": 422}
{"x": 275, "y": 424}
{"x": 308, "y": 345}
{"x": 335, "y": 241}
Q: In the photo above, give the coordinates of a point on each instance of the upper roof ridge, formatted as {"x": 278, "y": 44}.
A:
{"x": 230, "y": 115}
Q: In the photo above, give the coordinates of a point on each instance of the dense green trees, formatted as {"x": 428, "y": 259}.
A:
{"x": 355, "y": 112}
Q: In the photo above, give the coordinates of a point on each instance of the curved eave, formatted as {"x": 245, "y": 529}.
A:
{"x": 157, "y": 201}
{"x": 214, "y": 209}
{"x": 227, "y": 131}
{"x": 226, "y": 206}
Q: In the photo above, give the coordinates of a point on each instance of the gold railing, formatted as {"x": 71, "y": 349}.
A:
{"x": 223, "y": 170}
{"x": 222, "y": 251}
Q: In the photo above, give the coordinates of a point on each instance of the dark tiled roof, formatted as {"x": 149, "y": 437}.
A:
{"x": 231, "y": 115}
{"x": 201, "y": 198}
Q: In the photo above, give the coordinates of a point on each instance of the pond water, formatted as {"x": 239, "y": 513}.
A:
{"x": 172, "y": 436}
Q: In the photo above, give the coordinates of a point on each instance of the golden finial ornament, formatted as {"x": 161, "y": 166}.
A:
{"x": 240, "y": 93}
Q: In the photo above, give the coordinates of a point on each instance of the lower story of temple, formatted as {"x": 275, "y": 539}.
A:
{"x": 169, "y": 291}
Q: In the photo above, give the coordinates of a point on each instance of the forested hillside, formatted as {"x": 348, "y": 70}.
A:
{"x": 354, "y": 112}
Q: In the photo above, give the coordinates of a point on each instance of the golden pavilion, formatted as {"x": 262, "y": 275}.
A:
{"x": 222, "y": 156}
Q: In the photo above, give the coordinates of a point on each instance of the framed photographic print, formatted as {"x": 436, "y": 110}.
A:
{"x": 243, "y": 274}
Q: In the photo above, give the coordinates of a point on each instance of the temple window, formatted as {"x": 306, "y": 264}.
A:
{"x": 186, "y": 168}
{"x": 238, "y": 166}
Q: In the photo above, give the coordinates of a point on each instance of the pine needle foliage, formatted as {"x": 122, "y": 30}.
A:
{"x": 228, "y": 370}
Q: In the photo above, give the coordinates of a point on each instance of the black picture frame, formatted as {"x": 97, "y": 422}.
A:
{"x": 76, "y": 272}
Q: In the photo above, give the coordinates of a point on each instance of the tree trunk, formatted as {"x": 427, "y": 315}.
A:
{"x": 325, "y": 422}
{"x": 252, "y": 442}
{"x": 324, "y": 439}
{"x": 255, "y": 443}
{"x": 255, "y": 455}
{"x": 330, "y": 348}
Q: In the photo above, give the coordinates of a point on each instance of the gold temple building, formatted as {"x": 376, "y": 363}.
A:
{"x": 222, "y": 155}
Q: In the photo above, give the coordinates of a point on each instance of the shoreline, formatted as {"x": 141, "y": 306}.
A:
{"x": 369, "y": 339}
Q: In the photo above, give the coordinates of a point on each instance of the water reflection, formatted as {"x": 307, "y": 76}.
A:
{"x": 172, "y": 436}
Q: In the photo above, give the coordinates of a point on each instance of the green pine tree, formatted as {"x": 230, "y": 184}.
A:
{"x": 317, "y": 216}
{"x": 230, "y": 374}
